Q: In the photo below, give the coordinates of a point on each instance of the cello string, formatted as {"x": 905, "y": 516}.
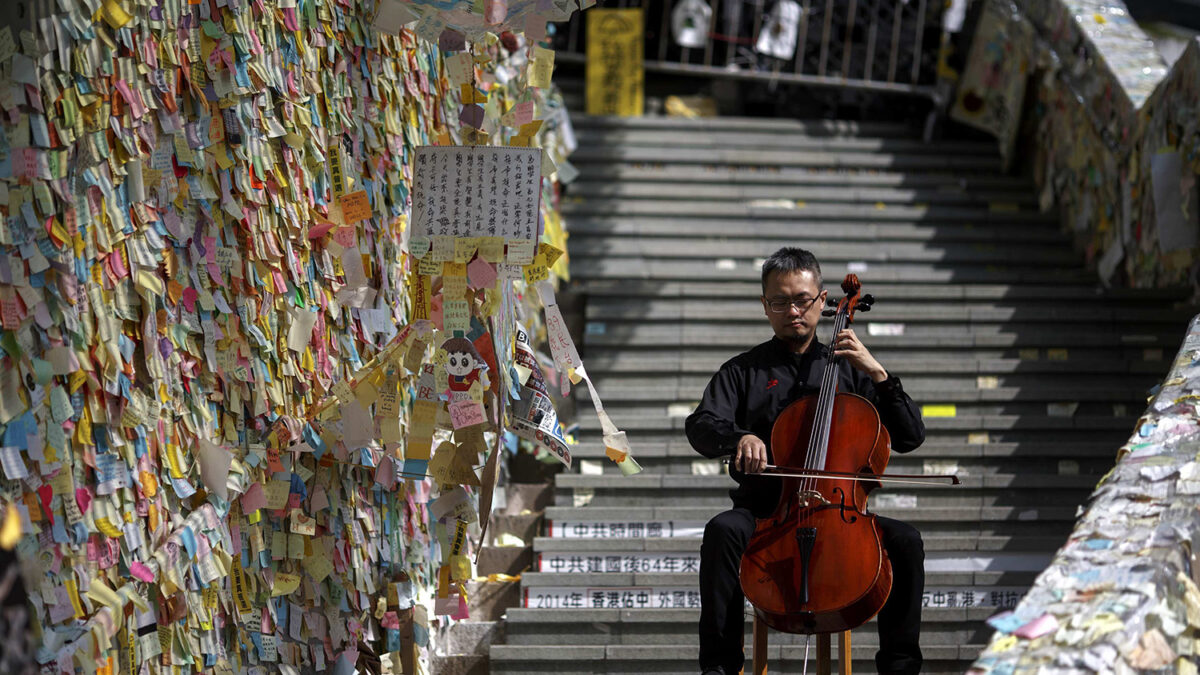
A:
{"x": 807, "y": 638}
{"x": 829, "y": 389}
{"x": 813, "y": 436}
{"x": 816, "y": 459}
{"x": 819, "y": 438}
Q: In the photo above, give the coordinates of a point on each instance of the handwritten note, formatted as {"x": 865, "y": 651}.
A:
{"x": 476, "y": 192}
{"x": 276, "y": 493}
{"x": 355, "y": 206}
{"x": 466, "y": 414}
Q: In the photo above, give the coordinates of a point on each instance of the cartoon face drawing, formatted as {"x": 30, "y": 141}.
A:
{"x": 463, "y": 364}
{"x": 459, "y": 364}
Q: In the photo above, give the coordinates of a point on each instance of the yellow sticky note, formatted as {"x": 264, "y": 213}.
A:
{"x": 73, "y": 595}
{"x": 222, "y": 156}
{"x": 530, "y": 128}
{"x": 317, "y": 566}
{"x": 114, "y": 14}
{"x": 491, "y": 249}
{"x": 464, "y": 248}
{"x": 100, "y": 592}
{"x": 276, "y": 492}
{"x": 939, "y": 410}
{"x": 552, "y": 253}
{"x": 541, "y": 67}
{"x": 472, "y": 95}
{"x": 474, "y": 137}
{"x": 285, "y": 584}
{"x": 10, "y": 530}
{"x": 538, "y": 270}
{"x": 1059, "y": 354}
{"x": 107, "y": 528}
{"x": 460, "y": 567}
{"x": 1003, "y": 644}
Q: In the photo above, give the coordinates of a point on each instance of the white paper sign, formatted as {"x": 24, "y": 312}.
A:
{"x": 476, "y": 191}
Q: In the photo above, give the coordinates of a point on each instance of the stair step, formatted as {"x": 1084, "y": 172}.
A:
{"x": 584, "y": 123}
{"x": 940, "y": 626}
{"x": 952, "y": 183}
{"x": 669, "y": 389}
{"x": 694, "y": 362}
{"x": 827, "y": 159}
{"x": 772, "y": 140}
{"x": 675, "y": 660}
{"x": 532, "y": 580}
{"x": 655, "y": 422}
{"x": 702, "y": 209}
{"x": 742, "y": 269}
{"x": 701, "y": 514}
{"x": 955, "y": 545}
{"x": 662, "y": 190}
{"x": 750, "y": 311}
{"x": 1029, "y": 295}
{"x": 763, "y": 233}
{"x": 607, "y": 330}
{"x": 665, "y": 482}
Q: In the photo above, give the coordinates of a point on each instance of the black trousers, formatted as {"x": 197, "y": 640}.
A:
{"x": 722, "y": 626}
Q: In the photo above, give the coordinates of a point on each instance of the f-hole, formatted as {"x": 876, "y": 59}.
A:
{"x": 843, "y": 510}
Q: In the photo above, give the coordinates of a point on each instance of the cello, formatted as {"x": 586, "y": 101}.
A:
{"x": 817, "y": 564}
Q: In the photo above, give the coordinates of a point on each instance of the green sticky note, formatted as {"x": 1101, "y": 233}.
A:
{"x": 43, "y": 372}
{"x": 9, "y": 343}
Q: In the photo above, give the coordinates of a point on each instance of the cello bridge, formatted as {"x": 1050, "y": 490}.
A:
{"x": 807, "y": 498}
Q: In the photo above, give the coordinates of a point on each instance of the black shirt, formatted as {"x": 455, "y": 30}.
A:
{"x": 751, "y": 389}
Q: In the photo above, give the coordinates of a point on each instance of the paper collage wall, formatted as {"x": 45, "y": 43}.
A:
{"x": 1116, "y": 144}
{"x": 252, "y": 360}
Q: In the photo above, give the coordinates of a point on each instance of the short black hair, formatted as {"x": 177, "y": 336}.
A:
{"x": 791, "y": 259}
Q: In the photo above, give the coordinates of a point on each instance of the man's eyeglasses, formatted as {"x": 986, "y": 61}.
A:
{"x": 780, "y": 305}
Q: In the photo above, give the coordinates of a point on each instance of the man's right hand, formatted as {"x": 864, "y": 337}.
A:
{"x": 751, "y": 454}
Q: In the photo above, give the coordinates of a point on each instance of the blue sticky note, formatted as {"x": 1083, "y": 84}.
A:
{"x": 1005, "y": 622}
{"x": 415, "y": 468}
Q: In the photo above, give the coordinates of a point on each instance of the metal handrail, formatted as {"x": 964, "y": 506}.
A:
{"x": 869, "y": 45}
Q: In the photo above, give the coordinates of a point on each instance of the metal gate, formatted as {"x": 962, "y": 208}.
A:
{"x": 871, "y": 45}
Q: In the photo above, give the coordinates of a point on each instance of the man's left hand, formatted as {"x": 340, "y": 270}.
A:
{"x": 847, "y": 345}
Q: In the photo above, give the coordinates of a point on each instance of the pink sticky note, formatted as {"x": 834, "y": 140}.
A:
{"x": 319, "y": 229}
{"x": 481, "y": 273}
{"x": 385, "y": 475}
{"x": 1040, "y": 626}
{"x": 523, "y": 113}
{"x": 140, "y": 571}
{"x": 465, "y": 414}
{"x": 253, "y": 499}
{"x": 319, "y": 499}
{"x": 435, "y": 311}
{"x": 344, "y": 236}
{"x": 189, "y": 298}
{"x": 117, "y": 266}
{"x": 462, "y": 612}
{"x": 84, "y": 499}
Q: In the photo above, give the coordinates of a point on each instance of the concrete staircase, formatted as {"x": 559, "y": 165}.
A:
{"x": 1032, "y": 377}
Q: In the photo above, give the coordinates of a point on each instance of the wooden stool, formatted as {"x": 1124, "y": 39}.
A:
{"x": 823, "y": 650}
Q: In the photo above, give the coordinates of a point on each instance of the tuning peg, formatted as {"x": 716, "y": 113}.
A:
{"x": 828, "y": 312}
{"x": 863, "y": 307}
{"x": 867, "y": 298}
{"x": 830, "y": 302}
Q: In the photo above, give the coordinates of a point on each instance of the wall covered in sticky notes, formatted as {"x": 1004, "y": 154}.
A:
{"x": 218, "y": 407}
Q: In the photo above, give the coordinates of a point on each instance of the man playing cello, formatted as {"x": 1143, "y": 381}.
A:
{"x": 735, "y": 417}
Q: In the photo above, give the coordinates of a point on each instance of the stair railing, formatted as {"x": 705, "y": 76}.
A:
{"x": 885, "y": 46}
